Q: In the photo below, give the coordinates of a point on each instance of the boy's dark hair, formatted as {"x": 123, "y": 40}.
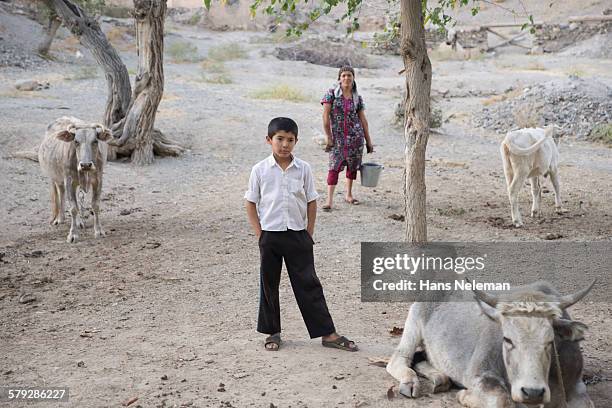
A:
{"x": 284, "y": 124}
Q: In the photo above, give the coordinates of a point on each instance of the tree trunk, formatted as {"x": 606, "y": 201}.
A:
{"x": 149, "y": 84}
{"x": 416, "y": 130}
{"x": 137, "y": 128}
{"x": 45, "y": 44}
{"x": 91, "y": 36}
{"x": 130, "y": 115}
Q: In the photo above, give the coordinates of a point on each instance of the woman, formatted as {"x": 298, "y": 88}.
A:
{"x": 346, "y": 128}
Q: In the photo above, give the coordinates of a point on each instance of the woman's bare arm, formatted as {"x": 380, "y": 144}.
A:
{"x": 327, "y": 124}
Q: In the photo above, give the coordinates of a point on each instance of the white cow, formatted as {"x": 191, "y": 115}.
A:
{"x": 73, "y": 154}
{"x": 516, "y": 350}
{"x": 530, "y": 153}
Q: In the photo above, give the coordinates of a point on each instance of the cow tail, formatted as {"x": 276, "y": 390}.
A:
{"x": 505, "y": 154}
{"x": 519, "y": 151}
{"x": 55, "y": 204}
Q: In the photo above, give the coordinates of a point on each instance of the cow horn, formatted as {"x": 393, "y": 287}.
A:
{"x": 485, "y": 297}
{"x": 72, "y": 128}
{"x": 568, "y": 300}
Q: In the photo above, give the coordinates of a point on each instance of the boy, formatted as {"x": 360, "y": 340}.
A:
{"x": 281, "y": 206}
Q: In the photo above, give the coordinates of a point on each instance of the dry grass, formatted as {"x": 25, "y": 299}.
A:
{"x": 214, "y": 67}
{"x": 283, "y": 92}
{"x": 277, "y": 37}
{"x": 500, "y": 98}
{"x": 82, "y": 73}
{"x": 170, "y": 113}
{"x": 220, "y": 79}
{"x": 183, "y": 52}
{"x": 527, "y": 116}
{"x": 535, "y": 66}
{"x": 16, "y": 94}
{"x": 576, "y": 72}
{"x": 69, "y": 44}
{"x": 121, "y": 38}
{"x": 168, "y": 96}
{"x": 226, "y": 52}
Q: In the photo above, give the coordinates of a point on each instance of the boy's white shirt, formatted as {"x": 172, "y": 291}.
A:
{"x": 281, "y": 196}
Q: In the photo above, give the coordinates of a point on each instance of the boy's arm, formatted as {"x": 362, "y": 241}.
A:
{"x": 252, "y": 197}
{"x": 311, "y": 198}
{"x": 251, "y": 210}
{"x": 311, "y": 213}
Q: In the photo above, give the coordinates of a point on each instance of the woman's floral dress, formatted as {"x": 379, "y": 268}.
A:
{"x": 347, "y": 131}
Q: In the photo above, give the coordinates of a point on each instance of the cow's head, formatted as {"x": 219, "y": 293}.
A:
{"x": 529, "y": 328}
{"x": 85, "y": 139}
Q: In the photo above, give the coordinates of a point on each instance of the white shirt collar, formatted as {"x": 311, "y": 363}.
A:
{"x": 272, "y": 161}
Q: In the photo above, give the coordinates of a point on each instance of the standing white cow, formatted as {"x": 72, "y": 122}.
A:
{"x": 509, "y": 351}
{"x": 73, "y": 154}
{"x": 530, "y": 153}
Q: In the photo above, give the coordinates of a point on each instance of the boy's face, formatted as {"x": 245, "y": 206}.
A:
{"x": 282, "y": 143}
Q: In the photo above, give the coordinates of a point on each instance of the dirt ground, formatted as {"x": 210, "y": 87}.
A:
{"x": 164, "y": 308}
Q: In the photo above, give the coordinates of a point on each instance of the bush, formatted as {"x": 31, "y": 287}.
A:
{"x": 117, "y": 11}
{"x": 527, "y": 115}
{"x": 214, "y": 67}
{"x": 221, "y": 79}
{"x": 602, "y": 133}
{"x": 282, "y": 92}
{"x": 183, "y": 51}
{"x": 226, "y": 52}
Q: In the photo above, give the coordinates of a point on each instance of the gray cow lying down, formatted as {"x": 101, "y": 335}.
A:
{"x": 501, "y": 350}
{"x": 73, "y": 154}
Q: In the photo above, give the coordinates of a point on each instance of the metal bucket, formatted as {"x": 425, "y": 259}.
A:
{"x": 370, "y": 172}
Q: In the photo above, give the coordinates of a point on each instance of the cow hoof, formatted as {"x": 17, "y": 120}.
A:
{"x": 518, "y": 224}
{"x": 100, "y": 234}
{"x": 441, "y": 383}
{"x": 80, "y": 223}
{"x": 536, "y": 214}
{"x": 72, "y": 238}
{"x": 410, "y": 389}
{"x": 560, "y": 210}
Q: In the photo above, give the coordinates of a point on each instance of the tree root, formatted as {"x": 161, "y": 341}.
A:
{"x": 163, "y": 146}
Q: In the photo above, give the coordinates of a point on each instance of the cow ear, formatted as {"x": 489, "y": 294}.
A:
{"x": 489, "y": 311}
{"x": 569, "y": 329}
{"x": 65, "y": 136}
{"x": 103, "y": 133}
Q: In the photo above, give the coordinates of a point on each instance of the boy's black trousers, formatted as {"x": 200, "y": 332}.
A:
{"x": 295, "y": 247}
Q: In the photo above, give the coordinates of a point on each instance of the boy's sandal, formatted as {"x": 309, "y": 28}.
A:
{"x": 326, "y": 207}
{"x": 273, "y": 342}
{"x": 354, "y": 201}
{"x": 341, "y": 343}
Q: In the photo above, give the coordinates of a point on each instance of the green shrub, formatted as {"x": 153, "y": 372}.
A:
{"x": 282, "y": 92}
{"x": 214, "y": 67}
{"x": 226, "y": 52}
{"x": 183, "y": 51}
{"x": 221, "y": 79}
{"x": 602, "y": 133}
